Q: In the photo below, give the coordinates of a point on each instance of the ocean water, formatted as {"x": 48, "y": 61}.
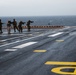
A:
{"x": 44, "y": 20}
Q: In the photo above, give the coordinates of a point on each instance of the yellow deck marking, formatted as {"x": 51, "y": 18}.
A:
{"x": 59, "y": 40}
{"x": 60, "y": 63}
{"x": 58, "y": 70}
{"x": 39, "y": 51}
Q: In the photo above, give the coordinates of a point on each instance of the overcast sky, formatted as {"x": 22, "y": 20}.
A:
{"x": 37, "y": 7}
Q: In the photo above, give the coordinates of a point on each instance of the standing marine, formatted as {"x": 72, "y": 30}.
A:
{"x": 1, "y": 26}
{"x": 9, "y": 27}
{"x": 20, "y": 26}
{"x": 15, "y": 25}
{"x": 28, "y": 25}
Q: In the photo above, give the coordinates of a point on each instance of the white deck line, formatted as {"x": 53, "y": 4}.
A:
{"x": 11, "y": 38}
{"x": 25, "y": 45}
{"x": 55, "y": 34}
{"x": 10, "y": 49}
{"x": 25, "y": 39}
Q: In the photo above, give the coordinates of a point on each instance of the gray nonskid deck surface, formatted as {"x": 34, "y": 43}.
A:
{"x": 38, "y": 52}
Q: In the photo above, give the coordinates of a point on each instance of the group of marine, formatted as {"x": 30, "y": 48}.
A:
{"x": 15, "y": 26}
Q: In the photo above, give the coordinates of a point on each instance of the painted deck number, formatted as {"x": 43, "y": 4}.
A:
{"x": 66, "y": 65}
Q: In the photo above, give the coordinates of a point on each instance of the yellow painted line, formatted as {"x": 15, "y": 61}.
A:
{"x": 57, "y": 70}
{"x": 60, "y": 63}
{"x": 59, "y": 40}
{"x": 39, "y": 51}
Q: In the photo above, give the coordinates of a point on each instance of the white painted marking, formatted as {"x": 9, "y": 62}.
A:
{"x": 3, "y": 35}
{"x": 55, "y": 34}
{"x": 30, "y": 34}
{"x": 22, "y": 40}
{"x": 9, "y": 43}
{"x": 16, "y": 34}
{"x": 37, "y": 32}
{"x": 25, "y": 39}
{"x": 25, "y": 45}
{"x": 10, "y": 49}
{"x": 12, "y": 38}
{"x": 2, "y": 40}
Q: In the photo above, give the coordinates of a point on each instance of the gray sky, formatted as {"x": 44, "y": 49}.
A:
{"x": 37, "y": 7}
